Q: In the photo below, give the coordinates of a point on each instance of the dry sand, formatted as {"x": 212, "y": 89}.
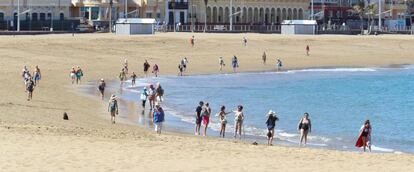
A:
{"x": 35, "y": 138}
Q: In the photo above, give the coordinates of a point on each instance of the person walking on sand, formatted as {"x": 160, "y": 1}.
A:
{"x": 271, "y": 123}
{"x": 122, "y": 76}
{"x": 155, "y": 70}
{"x": 304, "y": 127}
{"x": 185, "y": 62}
{"x": 144, "y": 97}
{"x": 238, "y": 121}
{"x": 192, "y": 41}
{"x": 133, "y": 78}
{"x": 364, "y": 138}
{"x": 101, "y": 88}
{"x": 234, "y": 63}
{"x": 205, "y": 115}
{"x": 307, "y": 50}
{"x": 221, "y": 63}
{"x": 244, "y": 41}
{"x": 264, "y": 57}
{"x": 159, "y": 92}
{"x": 25, "y": 74}
{"x": 79, "y": 75}
{"x": 146, "y": 68}
{"x": 181, "y": 69}
{"x": 223, "y": 121}
{"x": 158, "y": 118}
{"x": 126, "y": 66}
{"x": 278, "y": 65}
{"x": 30, "y": 88}
{"x": 198, "y": 117}
{"x": 37, "y": 75}
{"x": 113, "y": 108}
{"x": 73, "y": 75}
{"x": 151, "y": 96}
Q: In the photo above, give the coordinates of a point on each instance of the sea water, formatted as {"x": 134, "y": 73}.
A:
{"x": 338, "y": 100}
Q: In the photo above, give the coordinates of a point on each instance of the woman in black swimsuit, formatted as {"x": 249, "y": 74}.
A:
{"x": 304, "y": 127}
{"x": 366, "y": 135}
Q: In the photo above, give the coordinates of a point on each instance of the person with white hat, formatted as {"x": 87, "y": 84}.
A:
{"x": 271, "y": 123}
{"x": 158, "y": 118}
{"x": 144, "y": 97}
{"x": 113, "y": 107}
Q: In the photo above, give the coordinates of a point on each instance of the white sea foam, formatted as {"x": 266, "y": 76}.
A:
{"x": 289, "y": 135}
{"x": 376, "y": 148}
{"x": 338, "y": 70}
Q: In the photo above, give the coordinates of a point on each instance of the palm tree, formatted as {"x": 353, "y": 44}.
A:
{"x": 370, "y": 9}
{"x": 359, "y": 9}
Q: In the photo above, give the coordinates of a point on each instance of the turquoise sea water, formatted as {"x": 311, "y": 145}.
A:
{"x": 338, "y": 101}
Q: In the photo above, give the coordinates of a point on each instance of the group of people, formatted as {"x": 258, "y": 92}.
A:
{"x": 279, "y": 63}
{"x": 31, "y": 80}
{"x": 155, "y": 69}
{"x": 203, "y": 114}
{"x": 155, "y": 96}
{"x": 182, "y": 67}
{"x": 152, "y": 94}
{"x": 76, "y": 75}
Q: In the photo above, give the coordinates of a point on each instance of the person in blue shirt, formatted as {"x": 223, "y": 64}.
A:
{"x": 158, "y": 118}
{"x": 271, "y": 124}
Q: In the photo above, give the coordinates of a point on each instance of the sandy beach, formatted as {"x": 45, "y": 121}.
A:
{"x": 35, "y": 138}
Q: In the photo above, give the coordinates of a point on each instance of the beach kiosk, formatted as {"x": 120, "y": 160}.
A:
{"x": 134, "y": 26}
{"x": 293, "y": 27}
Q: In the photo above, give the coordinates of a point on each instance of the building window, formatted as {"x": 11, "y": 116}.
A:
{"x": 34, "y": 17}
{"x": 1, "y": 16}
{"x": 49, "y": 15}
{"x": 27, "y": 17}
{"x": 148, "y": 15}
{"x": 42, "y": 16}
{"x": 62, "y": 16}
{"x": 158, "y": 15}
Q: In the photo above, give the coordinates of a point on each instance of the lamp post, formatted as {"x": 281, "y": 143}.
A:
{"x": 231, "y": 15}
{"x": 51, "y": 17}
{"x": 110, "y": 15}
{"x": 173, "y": 7}
{"x": 18, "y": 15}
{"x": 205, "y": 15}
{"x": 126, "y": 9}
{"x": 312, "y": 10}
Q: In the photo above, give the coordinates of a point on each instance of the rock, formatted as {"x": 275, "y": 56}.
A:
{"x": 65, "y": 116}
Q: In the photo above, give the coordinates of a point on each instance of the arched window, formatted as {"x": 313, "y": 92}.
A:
{"x": 34, "y": 17}
{"x": 42, "y": 16}
{"x": 62, "y": 16}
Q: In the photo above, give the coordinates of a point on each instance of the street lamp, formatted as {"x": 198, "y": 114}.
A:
{"x": 173, "y": 7}
{"x": 205, "y": 15}
{"x": 110, "y": 15}
{"x": 18, "y": 15}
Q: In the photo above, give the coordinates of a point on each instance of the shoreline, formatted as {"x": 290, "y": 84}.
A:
{"x": 187, "y": 131}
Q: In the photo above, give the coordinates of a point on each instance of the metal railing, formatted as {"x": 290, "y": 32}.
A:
{"x": 221, "y": 28}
